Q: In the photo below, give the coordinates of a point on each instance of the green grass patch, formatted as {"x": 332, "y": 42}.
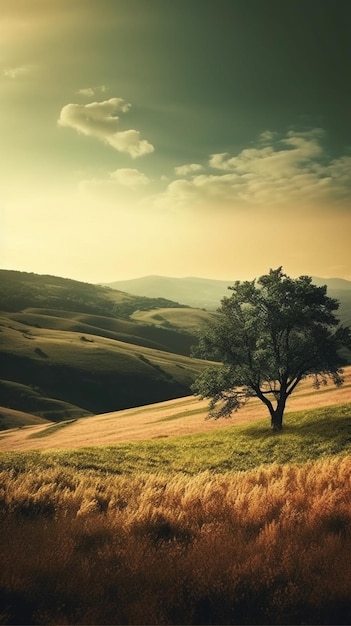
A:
{"x": 307, "y": 436}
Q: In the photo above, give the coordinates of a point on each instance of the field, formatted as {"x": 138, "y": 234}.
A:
{"x": 228, "y": 525}
{"x": 182, "y": 416}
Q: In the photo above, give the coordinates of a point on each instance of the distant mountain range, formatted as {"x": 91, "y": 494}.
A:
{"x": 206, "y": 293}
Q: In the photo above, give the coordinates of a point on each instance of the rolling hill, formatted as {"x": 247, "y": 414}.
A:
{"x": 71, "y": 349}
{"x": 207, "y": 293}
{"x": 172, "y": 418}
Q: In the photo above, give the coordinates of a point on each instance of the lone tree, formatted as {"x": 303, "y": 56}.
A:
{"x": 269, "y": 335}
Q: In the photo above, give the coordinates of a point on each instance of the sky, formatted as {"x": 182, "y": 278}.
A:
{"x": 205, "y": 138}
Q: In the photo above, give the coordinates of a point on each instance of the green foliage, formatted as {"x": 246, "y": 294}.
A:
{"x": 269, "y": 335}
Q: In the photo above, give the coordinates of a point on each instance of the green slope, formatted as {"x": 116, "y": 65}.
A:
{"x": 20, "y": 290}
{"x": 12, "y": 418}
{"x": 93, "y": 373}
{"x": 70, "y": 349}
{"x": 307, "y": 436}
{"x": 190, "y": 320}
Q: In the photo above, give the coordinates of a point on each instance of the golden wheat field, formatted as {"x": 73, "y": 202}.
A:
{"x": 87, "y": 540}
{"x": 266, "y": 546}
{"x": 176, "y": 417}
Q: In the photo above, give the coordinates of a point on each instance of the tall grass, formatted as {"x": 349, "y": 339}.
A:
{"x": 160, "y": 532}
{"x": 268, "y": 546}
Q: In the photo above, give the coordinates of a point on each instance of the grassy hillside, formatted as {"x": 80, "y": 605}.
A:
{"x": 20, "y": 290}
{"x": 187, "y": 319}
{"x": 62, "y": 373}
{"x": 70, "y": 349}
{"x": 179, "y": 417}
{"x": 10, "y": 418}
{"x": 308, "y": 435}
{"x": 238, "y": 527}
{"x": 127, "y": 330}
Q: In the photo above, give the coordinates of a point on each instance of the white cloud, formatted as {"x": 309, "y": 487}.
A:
{"x": 297, "y": 149}
{"x": 99, "y": 120}
{"x": 129, "y": 141}
{"x": 289, "y": 170}
{"x": 129, "y": 177}
{"x": 338, "y": 170}
{"x": 121, "y": 186}
{"x": 189, "y": 168}
{"x": 88, "y": 92}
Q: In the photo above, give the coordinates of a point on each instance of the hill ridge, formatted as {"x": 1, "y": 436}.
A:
{"x": 199, "y": 292}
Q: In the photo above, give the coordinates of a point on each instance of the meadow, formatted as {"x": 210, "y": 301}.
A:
{"x": 233, "y": 526}
{"x": 159, "y": 421}
{"x": 154, "y": 514}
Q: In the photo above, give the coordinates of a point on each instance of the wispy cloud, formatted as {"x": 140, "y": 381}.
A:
{"x": 100, "y": 120}
{"x": 89, "y": 92}
{"x": 18, "y": 71}
{"x": 120, "y": 184}
{"x": 279, "y": 170}
{"x": 189, "y": 168}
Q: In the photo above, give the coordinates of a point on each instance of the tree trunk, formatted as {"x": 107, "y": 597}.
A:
{"x": 277, "y": 420}
{"x": 277, "y": 414}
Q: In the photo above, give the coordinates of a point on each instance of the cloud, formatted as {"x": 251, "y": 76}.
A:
{"x": 293, "y": 169}
{"x": 267, "y": 136}
{"x": 129, "y": 177}
{"x": 89, "y": 92}
{"x": 189, "y": 168}
{"x": 296, "y": 149}
{"x": 99, "y": 120}
{"x": 19, "y": 71}
{"x": 120, "y": 185}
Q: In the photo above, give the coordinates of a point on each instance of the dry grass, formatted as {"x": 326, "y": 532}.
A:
{"x": 267, "y": 546}
{"x": 183, "y": 416}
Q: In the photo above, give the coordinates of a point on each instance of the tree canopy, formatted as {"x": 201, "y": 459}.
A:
{"x": 269, "y": 335}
